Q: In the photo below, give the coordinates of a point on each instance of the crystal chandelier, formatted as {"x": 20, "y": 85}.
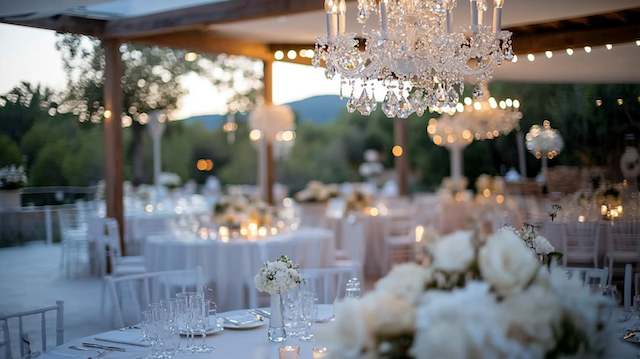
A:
{"x": 409, "y": 48}
{"x": 544, "y": 142}
{"x": 486, "y": 117}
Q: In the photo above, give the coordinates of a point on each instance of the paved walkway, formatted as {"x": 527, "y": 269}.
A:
{"x": 30, "y": 277}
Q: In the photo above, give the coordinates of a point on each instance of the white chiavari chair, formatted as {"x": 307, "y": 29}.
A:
{"x": 589, "y": 276}
{"x": 24, "y": 338}
{"x": 623, "y": 244}
{"x": 131, "y": 294}
{"x": 74, "y": 238}
{"x": 581, "y": 243}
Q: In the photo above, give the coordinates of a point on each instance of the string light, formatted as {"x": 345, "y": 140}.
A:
{"x": 569, "y": 51}
{"x": 278, "y": 55}
{"x": 620, "y": 101}
{"x": 587, "y": 49}
{"x": 291, "y": 54}
{"x": 531, "y": 57}
{"x": 598, "y": 102}
{"x": 397, "y": 151}
{"x": 609, "y": 46}
{"x": 548, "y": 54}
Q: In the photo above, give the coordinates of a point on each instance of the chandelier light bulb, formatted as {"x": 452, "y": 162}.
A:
{"x": 531, "y": 57}
{"x": 278, "y": 55}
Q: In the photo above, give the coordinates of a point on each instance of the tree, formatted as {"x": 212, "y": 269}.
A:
{"x": 151, "y": 81}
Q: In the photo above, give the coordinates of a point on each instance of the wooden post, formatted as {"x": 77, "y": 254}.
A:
{"x": 113, "y": 157}
{"x": 267, "y": 168}
{"x": 401, "y": 162}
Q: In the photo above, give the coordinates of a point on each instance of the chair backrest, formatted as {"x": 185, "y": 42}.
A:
{"x": 71, "y": 220}
{"x": 589, "y": 276}
{"x": 353, "y": 240}
{"x": 131, "y": 294}
{"x": 328, "y": 283}
{"x": 581, "y": 236}
{"x": 624, "y": 236}
{"x": 25, "y": 345}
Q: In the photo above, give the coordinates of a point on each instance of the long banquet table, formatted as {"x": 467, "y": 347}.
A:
{"x": 230, "y": 266}
{"x": 247, "y": 344}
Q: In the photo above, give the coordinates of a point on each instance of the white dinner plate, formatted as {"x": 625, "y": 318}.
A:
{"x": 246, "y": 319}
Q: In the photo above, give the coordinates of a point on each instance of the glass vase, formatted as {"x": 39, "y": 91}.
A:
{"x": 276, "y": 331}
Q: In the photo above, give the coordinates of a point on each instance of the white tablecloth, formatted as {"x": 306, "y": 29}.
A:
{"x": 244, "y": 344}
{"x": 231, "y": 266}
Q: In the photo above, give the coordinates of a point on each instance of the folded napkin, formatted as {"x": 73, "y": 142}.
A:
{"x": 125, "y": 337}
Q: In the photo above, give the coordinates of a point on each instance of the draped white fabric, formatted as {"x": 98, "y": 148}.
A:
{"x": 230, "y": 266}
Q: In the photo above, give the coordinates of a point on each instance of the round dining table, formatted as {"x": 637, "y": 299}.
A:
{"x": 246, "y": 344}
{"x": 229, "y": 266}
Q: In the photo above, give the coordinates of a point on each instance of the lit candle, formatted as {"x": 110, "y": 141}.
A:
{"x": 384, "y": 21}
{"x": 320, "y": 353}
{"x": 289, "y": 352}
{"x": 342, "y": 17}
{"x": 474, "y": 15}
{"x": 497, "y": 15}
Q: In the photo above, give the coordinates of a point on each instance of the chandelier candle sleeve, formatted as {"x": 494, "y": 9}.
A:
{"x": 474, "y": 15}
{"x": 497, "y": 15}
{"x": 342, "y": 17}
{"x": 331, "y": 9}
{"x": 384, "y": 21}
{"x": 449, "y": 21}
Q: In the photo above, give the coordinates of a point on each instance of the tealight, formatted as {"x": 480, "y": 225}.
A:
{"x": 289, "y": 352}
{"x": 319, "y": 353}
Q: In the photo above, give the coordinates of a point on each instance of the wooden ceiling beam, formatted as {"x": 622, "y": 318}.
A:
{"x": 63, "y": 23}
{"x": 209, "y": 42}
{"x": 205, "y": 15}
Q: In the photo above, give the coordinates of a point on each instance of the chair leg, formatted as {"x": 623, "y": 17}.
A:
{"x": 610, "y": 269}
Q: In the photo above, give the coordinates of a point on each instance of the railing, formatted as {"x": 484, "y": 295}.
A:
{"x": 37, "y": 218}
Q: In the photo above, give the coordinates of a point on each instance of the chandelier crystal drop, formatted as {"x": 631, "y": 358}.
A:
{"x": 409, "y": 49}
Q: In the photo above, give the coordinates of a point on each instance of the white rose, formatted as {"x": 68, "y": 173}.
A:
{"x": 388, "y": 314}
{"x": 463, "y": 323}
{"x": 506, "y": 263}
{"x": 406, "y": 281}
{"x": 542, "y": 245}
{"x": 454, "y": 252}
{"x": 533, "y": 316}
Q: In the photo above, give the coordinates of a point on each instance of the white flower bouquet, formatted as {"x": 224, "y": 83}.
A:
{"x": 475, "y": 298}
{"x": 278, "y": 276}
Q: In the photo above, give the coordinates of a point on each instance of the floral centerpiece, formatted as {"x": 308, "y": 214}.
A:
{"x": 537, "y": 244}
{"x": 358, "y": 201}
{"x": 275, "y": 278}
{"x": 475, "y": 298}
{"x": 12, "y": 178}
{"x": 230, "y": 211}
{"x": 609, "y": 199}
{"x": 317, "y": 192}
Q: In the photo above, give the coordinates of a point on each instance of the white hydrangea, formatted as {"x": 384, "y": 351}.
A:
{"x": 277, "y": 276}
{"x": 350, "y": 334}
{"x": 453, "y": 252}
{"x": 506, "y": 263}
